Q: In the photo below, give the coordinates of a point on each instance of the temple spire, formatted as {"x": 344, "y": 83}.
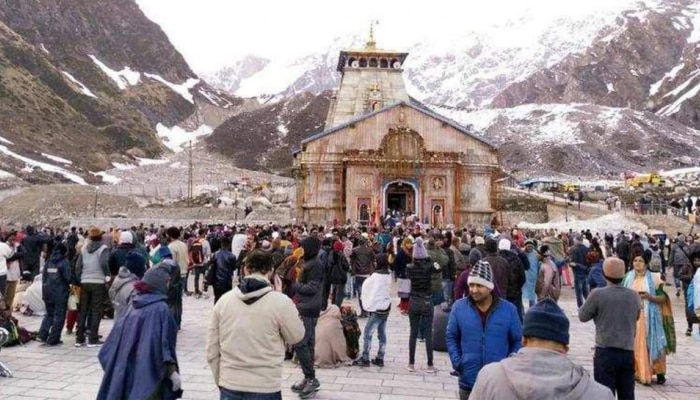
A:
{"x": 371, "y": 43}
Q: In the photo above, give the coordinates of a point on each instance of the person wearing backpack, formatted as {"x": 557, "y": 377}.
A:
{"x": 126, "y": 250}
{"x": 200, "y": 253}
{"x": 220, "y": 272}
{"x": 657, "y": 260}
{"x": 337, "y": 269}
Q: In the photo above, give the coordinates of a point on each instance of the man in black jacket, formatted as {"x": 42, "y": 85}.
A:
{"x": 362, "y": 260}
{"x": 33, "y": 242}
{"x": 309, "y": 292}
{"x": 516, "y": 275}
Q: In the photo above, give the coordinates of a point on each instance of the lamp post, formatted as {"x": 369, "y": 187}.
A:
{"x": 94, "y": 208}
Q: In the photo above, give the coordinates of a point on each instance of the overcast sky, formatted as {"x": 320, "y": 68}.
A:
{"x": 213, "y": 33}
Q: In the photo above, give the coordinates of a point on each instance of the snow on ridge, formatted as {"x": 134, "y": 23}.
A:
{"x": 176, "y": 138}
{"x": 695, "y": 21}
{"x": 683, "y": 85}
{"x": 43, "y": 48}
{"x": 122, "y": 78}
{"x": 107, "y": 178}
{"x": 654, "y": 88}
{"x": 45, "y": 166}
{"x": 2, "y": 139}
{"x": 6, "y": 175}
{"x": 150, "y": 161}
{"x": 676, "y": 105}
{"x": 122, "y": 166}
{"x": 611, "y": 87}
{"x": 210, "y": 98}
{"x": 83, "y": 88}
{"x": 57, "y": 159}
{"x": 182, "y": 89}
{"x": 282, "y": 129}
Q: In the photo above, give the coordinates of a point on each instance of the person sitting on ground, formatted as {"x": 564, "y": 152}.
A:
{"x": 540, "y": 370}
{"x": 331, "y": 349}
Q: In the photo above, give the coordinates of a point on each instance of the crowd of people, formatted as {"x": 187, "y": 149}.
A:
{"x": 282, "y": 293}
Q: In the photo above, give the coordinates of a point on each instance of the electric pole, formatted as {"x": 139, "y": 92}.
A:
{"x": 190, "y": 177}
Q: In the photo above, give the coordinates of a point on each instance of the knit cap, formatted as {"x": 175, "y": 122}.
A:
{"x": 419, "y": 251}
{"x": 481, "y": 275}
{"x": 545, "y": 320}
{"x": 504, "y": 244}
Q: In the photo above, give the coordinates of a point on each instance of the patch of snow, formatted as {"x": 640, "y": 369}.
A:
{"x": 695, "y": 21}
{"x": 209, "y": 97}
{"x": 654, "y": 88}
{"x": 176, "y": 138}
{"x": 183, "y": 89}
{"x": 274, "y": 78}
{"x": 176, "y": 165}
{"x": 6, "y": 175}
{"x": 57, "y": 159}
{"x": 107, "y": 178}
{"x": 611, "y": 223}
{"x": 83, "y": 88}
{"x": 2, "y": 139}
{"x": 43, "y": 48}
{"x": 676, "y": 105}
{"x": 683, "y": 85}
{"x": 282, "y": 129}
{"x": 122, "y": 78}
{"x": 150, "y": 161}
{"x": 123, "y": 167}
{"x": 611, "y": 87}
{"x": 680, "y": 171}
{"x": 45, "y": 166}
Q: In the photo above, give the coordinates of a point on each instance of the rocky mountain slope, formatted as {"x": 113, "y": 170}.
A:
{"x": 263, "y": 139}
{"x": 647, "y": 61}
{"x": 84, "y": 83}
{"x": 582, "y": 139}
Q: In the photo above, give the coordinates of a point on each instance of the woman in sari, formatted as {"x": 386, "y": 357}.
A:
{"x": 655, "y": 335}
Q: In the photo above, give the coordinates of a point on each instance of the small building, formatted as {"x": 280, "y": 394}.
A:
{"x": 383, "y": 151}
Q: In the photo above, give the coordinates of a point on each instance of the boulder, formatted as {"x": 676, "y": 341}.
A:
{"x": 136, "y": 152}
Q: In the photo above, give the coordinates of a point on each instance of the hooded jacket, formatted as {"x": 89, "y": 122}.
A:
{"x": 362, "y": 260}
{"x": 55, "y": 279}
{"x": 93, "y": 263}
{"x": 537, "y": 374}
{"x": 130, "y": 377}
{"x": 122, "y": 291}
{"x": 129, "y": 256}
{"x": 248, "y": 331}
{"x": 516, "y": 275}
{"x": 309, "y": 285}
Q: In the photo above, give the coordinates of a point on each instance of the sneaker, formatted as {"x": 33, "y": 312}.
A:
{"x": 58, "y": 343}
{"x": 98, "y": 343}
{"x": 660, "y": 379}
{"x": 431, "y": 370}
{"x": 299, "y": 386}
{"x": 361, "y": 363}
{"x": 79, "y": 344}
{"x": 309, "y": 391}
{"x": 410, "y": 368}
{"x": 378, "y": 362}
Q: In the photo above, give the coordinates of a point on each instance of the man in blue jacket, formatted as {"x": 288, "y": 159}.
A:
{"x": 482, "y": 329}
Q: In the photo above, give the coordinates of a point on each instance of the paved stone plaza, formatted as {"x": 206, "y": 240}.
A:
{"x": 67, "y": 372}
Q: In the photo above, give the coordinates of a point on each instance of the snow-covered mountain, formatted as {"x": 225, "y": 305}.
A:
{"x": 467, "y": 70}
{"x": 582, "y": 139}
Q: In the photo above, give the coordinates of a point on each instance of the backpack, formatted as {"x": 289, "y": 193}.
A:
{"x": 655, "y": 262}
{"x": 210, "y": 270}
{"x": 197, "y": 252}
{"x": 591, "y": 257}
{"x": 351, "y": 330}
{"x": 336, "y": 273}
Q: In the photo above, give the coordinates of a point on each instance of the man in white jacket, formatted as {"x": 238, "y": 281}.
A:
{"x": 376, "y": 299}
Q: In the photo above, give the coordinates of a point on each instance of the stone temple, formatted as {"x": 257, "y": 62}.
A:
{"x": 383, "y": 151}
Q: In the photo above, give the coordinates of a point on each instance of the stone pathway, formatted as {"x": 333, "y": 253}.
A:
{"x": 67, "y": 372}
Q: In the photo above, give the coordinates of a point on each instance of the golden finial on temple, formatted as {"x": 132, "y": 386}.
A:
{"x": 371, "y": 43}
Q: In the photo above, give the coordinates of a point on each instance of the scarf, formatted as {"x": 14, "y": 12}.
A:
{"x": 656, "y": 338}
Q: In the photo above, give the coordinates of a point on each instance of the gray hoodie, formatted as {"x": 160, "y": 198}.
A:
{"x": 540, "y": 374}
{"x": 121, "y": 291}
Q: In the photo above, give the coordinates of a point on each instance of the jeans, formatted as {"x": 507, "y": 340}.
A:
{"x": 52, "y": 324}
{"x": 447, "y": 287}
{"x": 92, "y": 296}
{"x": 424, "y": 324}
{"x": 464, "y": 394}
{"x": 198, "y": 271}
{"x": 376, "y": 321}
{"x": 614, "y": 368}
{"x": 359, "y": 280}
{"x": 227, "y": 394}
{"x": 338, "y": 293}
{"x": 677, "y": 276}
{"x": 581, "y": 287}
{"x": 305, "y": 348}
{"x": 350, "y": 286}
